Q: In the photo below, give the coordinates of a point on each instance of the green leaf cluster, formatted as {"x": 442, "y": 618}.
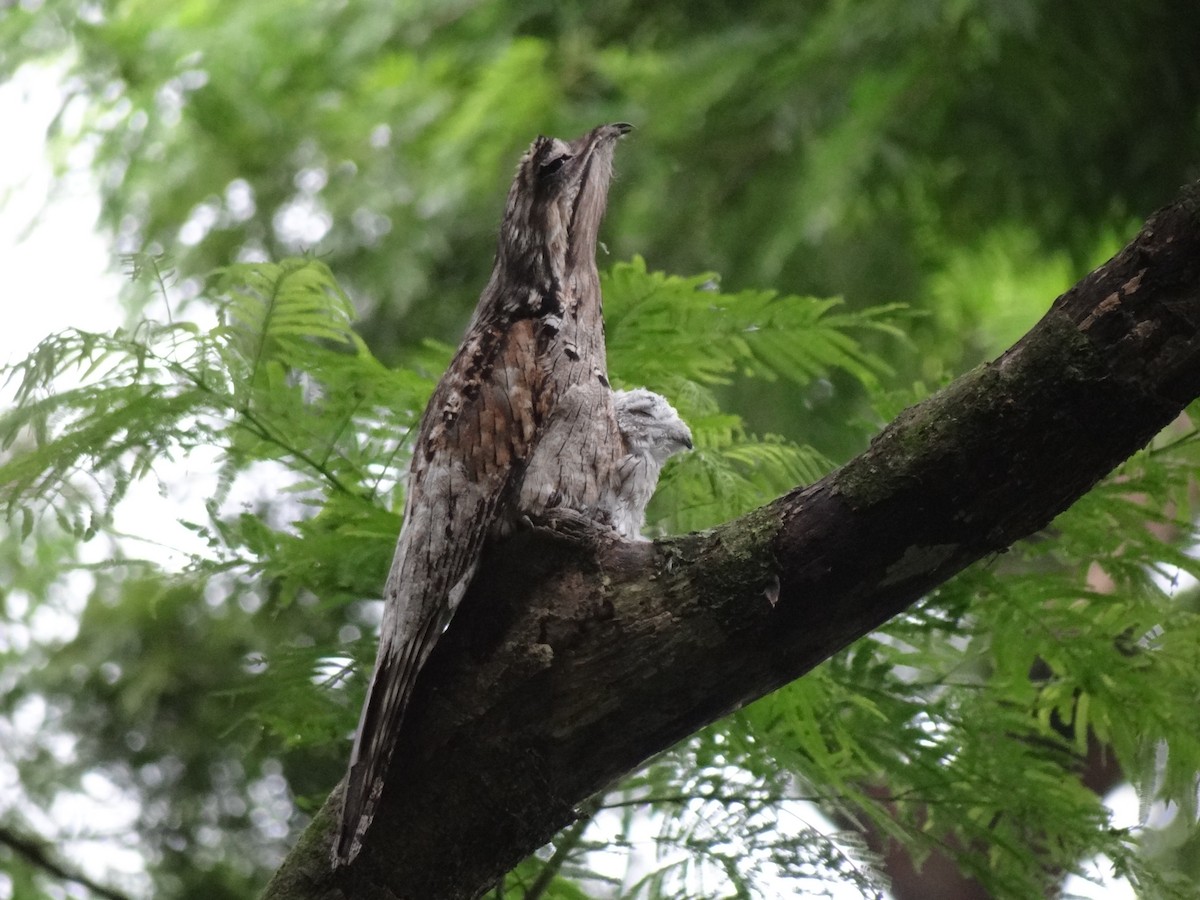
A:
{"x": 822, "y": 148}
{"x": 967, "y": 159}
{"x": 959, "y": 728}
{"x": 656, "y": 323}
{"x": 967, "y": 725}
{"x": 281, "y": 389}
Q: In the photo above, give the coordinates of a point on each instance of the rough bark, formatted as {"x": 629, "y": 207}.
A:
{"x": 565, "y": 669}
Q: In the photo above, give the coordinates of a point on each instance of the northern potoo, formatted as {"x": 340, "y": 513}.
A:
{"x": 537, "y": 330}
{"x": 650, "y": 433}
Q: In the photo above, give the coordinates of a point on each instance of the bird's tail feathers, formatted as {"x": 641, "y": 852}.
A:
{"x": 387, "y": 700}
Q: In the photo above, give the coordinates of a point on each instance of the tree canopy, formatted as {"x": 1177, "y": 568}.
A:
{"x": 856, "y": 201}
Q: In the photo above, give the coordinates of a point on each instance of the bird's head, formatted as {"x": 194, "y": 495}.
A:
{"x": 557, "y": 199}
{"x": 650, "y": 425}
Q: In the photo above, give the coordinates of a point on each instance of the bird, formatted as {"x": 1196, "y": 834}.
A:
{"x": 652, "y": 433}
{"x": 554, "y": 481}
{"x": 536, "y": 331}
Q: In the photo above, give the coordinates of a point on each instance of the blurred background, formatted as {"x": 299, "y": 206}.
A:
{"x": 969, "y": 159}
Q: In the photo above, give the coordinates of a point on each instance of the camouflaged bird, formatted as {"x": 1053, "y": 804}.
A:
{"x": 536, "y": 331}
{"x": 650, "y": 433}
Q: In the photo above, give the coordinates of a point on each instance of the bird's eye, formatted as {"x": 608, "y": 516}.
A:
{"x": 552, "y": 165}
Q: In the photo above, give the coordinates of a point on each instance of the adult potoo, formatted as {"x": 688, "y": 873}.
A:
{"x": 537, "y": 330}
{"x": 650, "y": 433}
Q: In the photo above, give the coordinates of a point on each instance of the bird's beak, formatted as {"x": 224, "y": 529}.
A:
{"x": 684, "y": 437}
{"x": 592, "y": 172}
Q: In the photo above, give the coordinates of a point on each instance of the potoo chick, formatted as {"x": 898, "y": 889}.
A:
{"x": 651, "y": 432}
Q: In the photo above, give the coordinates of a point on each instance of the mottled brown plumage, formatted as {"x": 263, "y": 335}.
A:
{"x": 536, "y": 331}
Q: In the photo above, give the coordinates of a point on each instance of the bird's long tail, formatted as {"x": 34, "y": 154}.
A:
{"x": 391, "y": 688}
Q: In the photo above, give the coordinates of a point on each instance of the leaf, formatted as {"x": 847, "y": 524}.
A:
{"x": 656, "y": 323}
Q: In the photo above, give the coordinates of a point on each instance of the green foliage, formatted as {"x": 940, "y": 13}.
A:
{"x": 655, "y": 324}
{"x": 822, "y": 148}
{"x": 281, "y": 380}
{"x": 282, "y": 348}
{"x": 967, "y": 159}
{"x": 654, "y": 321}
{"x": 901, "y": 728}
{"x": 981, "y": 703}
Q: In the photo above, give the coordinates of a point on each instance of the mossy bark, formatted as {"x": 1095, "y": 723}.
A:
{"x": 568, "y": 667}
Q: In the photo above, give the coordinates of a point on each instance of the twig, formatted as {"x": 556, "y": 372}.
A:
{"x": 37, "y": 854}
{"x": 565, "y": 847}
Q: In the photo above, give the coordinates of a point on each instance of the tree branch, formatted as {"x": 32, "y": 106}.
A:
{"x": 564, "y": 669}
{"x": 37, "y": 854}
{"x": 565, "y": 846}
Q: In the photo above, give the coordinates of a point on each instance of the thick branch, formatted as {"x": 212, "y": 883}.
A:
{"x": 565, "y": 670}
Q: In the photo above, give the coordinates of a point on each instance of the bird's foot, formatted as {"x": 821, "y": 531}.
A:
{"x": 572, "y": 526}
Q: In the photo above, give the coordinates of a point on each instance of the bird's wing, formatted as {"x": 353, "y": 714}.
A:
{"x": 474, "y": 437}
{"x": 574, "y": 463}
